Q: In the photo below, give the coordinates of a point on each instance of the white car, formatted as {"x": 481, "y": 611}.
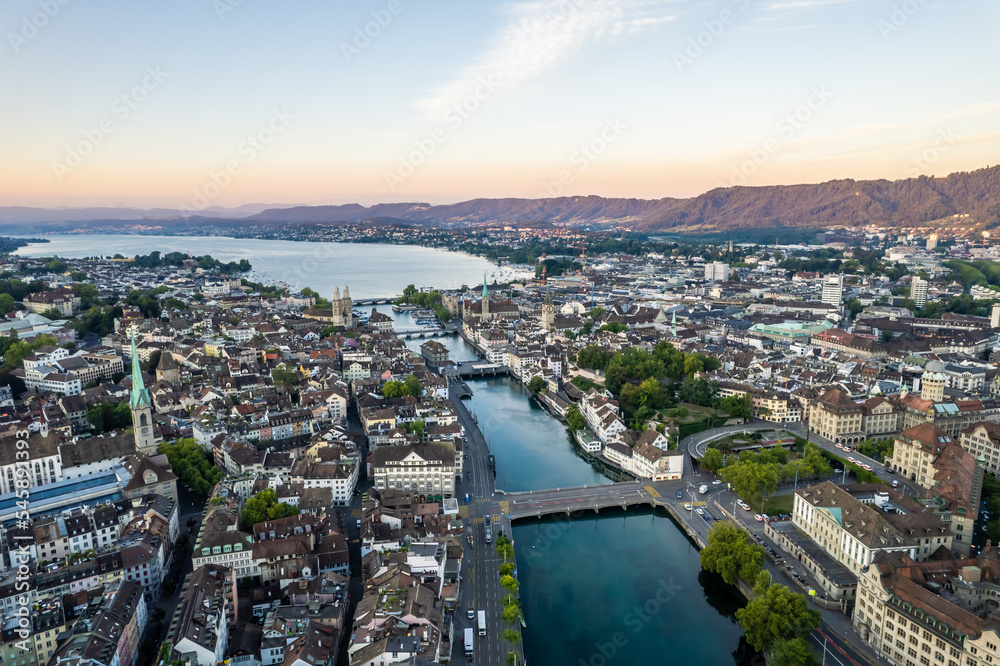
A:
{"x": 716, "y": 482}
{"x": 852, "y": 460}
{"x": 700, "y": 512}
{"x": 868, "y": 468}
{"x": 688, "y": 507}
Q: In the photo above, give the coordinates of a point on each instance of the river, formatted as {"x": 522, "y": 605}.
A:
{"x": 370, "y": 270}
{"x": 617, "y": 588}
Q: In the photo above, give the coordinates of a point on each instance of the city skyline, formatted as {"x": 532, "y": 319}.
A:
{"x": 226, "y": 102}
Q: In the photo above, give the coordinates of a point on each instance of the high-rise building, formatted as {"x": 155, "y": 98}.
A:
{"x": 717, "y": 271}
{"x": 833, "y": 289}
{"x": 932, "y": 241}
{"x": 918, "y": 291}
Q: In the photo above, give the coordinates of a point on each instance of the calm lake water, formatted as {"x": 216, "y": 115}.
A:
{"x": 370, "y": 270}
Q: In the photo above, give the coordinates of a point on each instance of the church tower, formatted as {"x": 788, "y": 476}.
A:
{"x": 142, "y": 408}
{"x": 486, "y": 299}
{"x": 548, "y": 312}
{"x": 347, "y": 308}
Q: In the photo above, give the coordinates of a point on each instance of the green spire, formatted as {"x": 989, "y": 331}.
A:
{"x": 673, "y": 323}
{"x": 486, "y": 293}
{"x": 140, "y": 395}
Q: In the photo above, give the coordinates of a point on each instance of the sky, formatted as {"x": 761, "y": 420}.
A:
{"x": 198, "y": 103}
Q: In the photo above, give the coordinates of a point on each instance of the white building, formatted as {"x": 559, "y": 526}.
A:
{"x": 918, "y": 291}
{"x": 717, "y": 271}
{"x": 833, "y": 290}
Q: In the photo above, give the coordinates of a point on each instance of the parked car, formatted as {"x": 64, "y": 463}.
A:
{"x": 759, "y": 518}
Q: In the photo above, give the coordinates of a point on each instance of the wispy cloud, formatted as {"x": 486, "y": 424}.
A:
{"x": 542, "y": 34}
{"x": 791, "y": 5}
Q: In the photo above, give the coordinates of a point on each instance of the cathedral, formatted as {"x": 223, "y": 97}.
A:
{"x": 340, "y": 314}
{"x": 343, "y": 308}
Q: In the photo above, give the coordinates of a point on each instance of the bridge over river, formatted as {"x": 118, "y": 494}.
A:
{"x": 567, "y": 501}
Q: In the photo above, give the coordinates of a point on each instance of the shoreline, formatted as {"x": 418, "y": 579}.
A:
{"x": 527, "y": 275}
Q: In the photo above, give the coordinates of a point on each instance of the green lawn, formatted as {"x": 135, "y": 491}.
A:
{"x": 779, "y": 504}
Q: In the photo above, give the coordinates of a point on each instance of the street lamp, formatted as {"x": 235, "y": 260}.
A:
{"x": 762, "y": 504}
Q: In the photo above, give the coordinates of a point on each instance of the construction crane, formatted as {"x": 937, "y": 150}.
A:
{"x": 582, "y": 247}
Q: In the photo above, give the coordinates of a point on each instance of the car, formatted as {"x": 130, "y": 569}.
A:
{"x": 895, "y": 483}
{"x": 766, "y": 517}
{"x": 746, "y": 507}
{"x": 759, "y": 518}
{"x": 688, "y": 507}
{"x": 838, "y": 446}
{"x": 707, "y": 519}
{"x": 852, "y": 460}
{"x": 359, "y": 523}
{"x": 716, "y": 482}
{"x": 701, "y": 511}
{"x": 717, "y": 519}
{"x": 888, "y": 470}
{"x": 868, "y": 468}
{"x": 466, "y": 498}
{"x": 680, "y": 495}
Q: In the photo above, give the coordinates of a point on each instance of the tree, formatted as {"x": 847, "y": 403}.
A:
{"x": 285, "y": 378}
{"x": 593, "y": 357}
{"x": 7, "y": 303}
{"x": 511, "y": 636}
{"x": 712, "y": 460}
{"x": 776, "y": 615}
{"x": 738, "y": 406}
{"x": 536, "y": 384}
{"x": 574, "y": 419}
{"x": 794, "y": 652}
{"x": 509, "y": 583}
{"x": 506, "y": 569}
{"x": 264, "y": 506}
{"x": 700, "y": 391}
{"x": 397, "y": 389}
{"x": 750, "y": 478}
{"x": 192, "y": 464}
{"x": 613, "y": 327}
{"x": 855, "y": 306}
{"x": 413, "y": 386}
{"x": 730, "y": 554}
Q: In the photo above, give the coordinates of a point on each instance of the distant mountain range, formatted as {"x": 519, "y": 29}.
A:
{"x": 910, "y": 202}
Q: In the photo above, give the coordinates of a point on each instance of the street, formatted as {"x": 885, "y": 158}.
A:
{"x": 481, "y": 580}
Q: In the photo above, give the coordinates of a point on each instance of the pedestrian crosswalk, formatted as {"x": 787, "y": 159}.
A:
{"x": 505, "y": 506}
{"x": 651, "y": 490}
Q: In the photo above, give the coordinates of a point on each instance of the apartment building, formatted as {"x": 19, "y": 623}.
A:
{"x": 939, "y": 613}
{"x": 205, "y": 616}
{"x": 851, "y": 529}
{"x": 837, "y": 418}
{"x": 983, "y": 441}
{"x": 420, "y": 468}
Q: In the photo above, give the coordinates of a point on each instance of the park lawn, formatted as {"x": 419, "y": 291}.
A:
{"x": 696, "y": 414}
{"x": 779, "y": 504}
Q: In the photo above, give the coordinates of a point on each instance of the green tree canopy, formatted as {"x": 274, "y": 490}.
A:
{"x": 776, "y": 615}
{"x": 264, "y": 506}
{"x": 730, "y": 554}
